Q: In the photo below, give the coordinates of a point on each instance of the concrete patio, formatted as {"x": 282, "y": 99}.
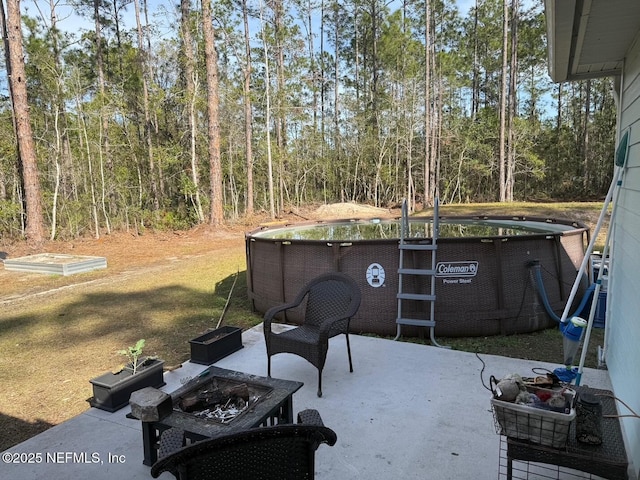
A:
{"x": 407, "y": 411}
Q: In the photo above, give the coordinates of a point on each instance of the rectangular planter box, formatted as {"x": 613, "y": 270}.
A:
{"x": 216, "y": 344}
{"x": 111, "y": 391}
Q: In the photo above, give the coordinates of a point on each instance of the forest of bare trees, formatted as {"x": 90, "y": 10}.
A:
{"x": 135, "y": 114}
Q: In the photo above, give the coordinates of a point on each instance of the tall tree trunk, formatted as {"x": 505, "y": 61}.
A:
{"x": 104, "y": 148}
{"x": 513, "y": 89}
{"x": 559, "y": 110}
{"x": 503, "y": 102}
{"x": 153, "y": 112}
{"x": 28, "y": 164}
{"x": 281, "y": 116}
{"x": 315, "y": 78}
{"x": 61, "y": 153}
{"x": 116, "y": 26}
{"x": 248, "y": 124}
{"x": 191, "y": 91}
{"x": 87, "y": 144}
{"x": 475, "y": 82}
{"x": 267, "y": 113}
{"x": 153, "y": 174}
{"x": 585, "y": 136}
{"x": 336, "y": 98}
{"x": 406, "y": 112}
{"x": 428, "y": 170}
{"x": 216, "y": 216}
{"x": 322, "y": 74}
{"x": 436, "y": 118}
{"x": 437, "y": 144}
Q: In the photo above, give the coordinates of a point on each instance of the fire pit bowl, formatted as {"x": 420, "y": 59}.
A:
{"x": 219, "y": 400}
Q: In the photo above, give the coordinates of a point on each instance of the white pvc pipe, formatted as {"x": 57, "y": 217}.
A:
{"x": 587, "y": 255}
{"x": 596, "y": 293}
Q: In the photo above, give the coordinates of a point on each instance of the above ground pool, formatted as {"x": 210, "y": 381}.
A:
{"x": 484, "y": 281}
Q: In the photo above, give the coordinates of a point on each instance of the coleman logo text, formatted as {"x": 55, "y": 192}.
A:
{"x": 457, "y": 269}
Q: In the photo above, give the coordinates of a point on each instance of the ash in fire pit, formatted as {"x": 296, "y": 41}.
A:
{"x": 220, "y": 400}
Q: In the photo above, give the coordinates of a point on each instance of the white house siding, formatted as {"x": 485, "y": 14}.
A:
{"x": 623, "y": 321}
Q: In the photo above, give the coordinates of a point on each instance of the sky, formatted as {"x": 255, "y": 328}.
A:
{"x": 70, "y": 21}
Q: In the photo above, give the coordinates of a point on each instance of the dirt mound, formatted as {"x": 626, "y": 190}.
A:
{"x": 350, "y": 210}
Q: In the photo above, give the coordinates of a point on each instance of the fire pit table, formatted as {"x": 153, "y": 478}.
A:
{"x": 221, "y": 402}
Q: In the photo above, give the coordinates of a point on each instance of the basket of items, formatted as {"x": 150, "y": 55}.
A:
{"x": 536, "y": 411}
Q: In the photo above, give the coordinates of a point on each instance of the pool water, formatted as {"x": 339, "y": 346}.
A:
{"x": 418, "y": 228}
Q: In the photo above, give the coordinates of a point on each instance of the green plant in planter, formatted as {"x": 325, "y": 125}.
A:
{"x": 133, "y": 353}
{"x": 111, "y": 391}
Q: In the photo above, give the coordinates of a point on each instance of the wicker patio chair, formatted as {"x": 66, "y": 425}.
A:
{"x": 331, "y": 300}
{"x": 280, "y": 452}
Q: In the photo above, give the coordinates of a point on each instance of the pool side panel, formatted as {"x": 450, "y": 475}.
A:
{"x": 496, "y": 295}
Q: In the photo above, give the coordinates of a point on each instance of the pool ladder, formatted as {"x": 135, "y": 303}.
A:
{"x": 429, "y": 247}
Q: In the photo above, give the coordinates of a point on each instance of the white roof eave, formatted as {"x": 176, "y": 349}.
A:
{"x": 560, "y": 19}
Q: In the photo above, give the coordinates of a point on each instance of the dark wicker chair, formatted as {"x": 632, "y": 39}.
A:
{"x": 280, "y": 452}
{"x": 331, "y": 300}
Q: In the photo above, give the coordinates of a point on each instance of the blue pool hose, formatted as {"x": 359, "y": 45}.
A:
{"x": 588, "y": 295}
